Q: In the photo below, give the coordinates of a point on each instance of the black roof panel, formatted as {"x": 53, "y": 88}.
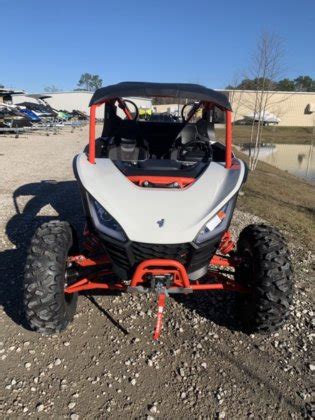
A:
{"x": 172, "y": 90}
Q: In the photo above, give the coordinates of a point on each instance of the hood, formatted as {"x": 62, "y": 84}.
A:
{"x": 138, "y": 210}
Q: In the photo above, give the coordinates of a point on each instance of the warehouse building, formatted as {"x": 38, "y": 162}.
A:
{"x": 285, "y": 108}
{"x": 288, "y": 108}
{"x": 79, "y": 100}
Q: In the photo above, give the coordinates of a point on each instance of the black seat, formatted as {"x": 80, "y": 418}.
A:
{"x": 127, "y": 150}
{"x": 200, "y": 136}
{"x": 127, "y": 143}
{"x": 187, "y": 134}
{"x": 206, "y": 129}
{"x": 159, "y": 135}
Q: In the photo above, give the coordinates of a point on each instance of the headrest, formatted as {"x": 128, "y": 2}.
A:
{"x": 126, "y": 141}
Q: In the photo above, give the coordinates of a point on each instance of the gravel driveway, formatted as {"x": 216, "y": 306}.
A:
{"x": 106, "y": 364}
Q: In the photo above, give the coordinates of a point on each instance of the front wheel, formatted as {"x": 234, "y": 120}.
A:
{"x": 267, "y": 271}
{"x": 48, "y": 309}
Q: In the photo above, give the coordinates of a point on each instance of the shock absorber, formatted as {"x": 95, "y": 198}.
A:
{"x": 227, "y": 244}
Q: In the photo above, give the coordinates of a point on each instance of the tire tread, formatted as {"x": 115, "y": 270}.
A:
{"x": 46, "y": 309}
{"x": 272, "y": 282}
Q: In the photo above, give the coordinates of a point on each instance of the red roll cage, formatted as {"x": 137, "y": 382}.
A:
{"x": 228, "y": 131}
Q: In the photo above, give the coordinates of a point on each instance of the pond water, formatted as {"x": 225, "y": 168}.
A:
{"x": 298, "y": 159}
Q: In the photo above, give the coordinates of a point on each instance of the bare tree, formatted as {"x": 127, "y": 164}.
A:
{"x": 52, "y": 88}
{"x": 235, "y": 96}
{"x": 266, "y": 68}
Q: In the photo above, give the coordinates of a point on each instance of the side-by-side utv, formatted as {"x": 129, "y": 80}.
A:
{"x": 159, "y": 196}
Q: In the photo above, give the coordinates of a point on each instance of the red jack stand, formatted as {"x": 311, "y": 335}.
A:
{"x": 161, "y": 306}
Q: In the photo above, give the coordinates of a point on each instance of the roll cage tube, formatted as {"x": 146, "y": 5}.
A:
{"x": 228, "y": 135}
{"x": 124, "y": 107}
{"x": 92, "y": 133}
{"x": 228, "y": 139}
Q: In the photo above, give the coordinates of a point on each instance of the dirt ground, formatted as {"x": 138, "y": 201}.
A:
{"x": 106, "y": 364}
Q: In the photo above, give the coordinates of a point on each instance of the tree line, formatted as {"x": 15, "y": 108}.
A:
{"x": 300, "y": 84}
{"x": 87, "y": 81}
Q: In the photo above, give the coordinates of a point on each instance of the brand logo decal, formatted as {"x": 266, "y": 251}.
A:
{"x": 161, "y": 222}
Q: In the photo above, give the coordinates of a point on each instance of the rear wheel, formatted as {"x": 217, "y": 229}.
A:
{"x": 47, "y": 308}
{"x": 266, "y": 269}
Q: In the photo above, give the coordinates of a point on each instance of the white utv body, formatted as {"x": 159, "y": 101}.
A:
{"x": 159, "y": 193}
{"x": 150, "y": 219}
{"x": 158, "y": 215}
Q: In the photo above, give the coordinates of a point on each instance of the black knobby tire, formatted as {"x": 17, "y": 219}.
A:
{"x": 47, "y": 308}
{"x": 267, "y": 271}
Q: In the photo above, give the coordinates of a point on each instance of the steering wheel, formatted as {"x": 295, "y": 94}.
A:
{"x": 196, "y": 145}
{"x": 130, "y": 114}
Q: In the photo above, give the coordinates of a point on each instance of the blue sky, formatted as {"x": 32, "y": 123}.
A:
{"x": 53, "y": 42}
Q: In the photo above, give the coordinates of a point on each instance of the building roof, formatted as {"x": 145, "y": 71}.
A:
{"x": 7, "y": 91}
{"x": 288, "y": 92}
{"x": 172, "y": 90}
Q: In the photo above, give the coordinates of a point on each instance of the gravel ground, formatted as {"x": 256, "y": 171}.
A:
{"x": 203, "y": 366}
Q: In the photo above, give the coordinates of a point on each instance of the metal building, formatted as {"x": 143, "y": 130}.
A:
{"x": 290, "y": 108}
{"x": 79, "y": 100}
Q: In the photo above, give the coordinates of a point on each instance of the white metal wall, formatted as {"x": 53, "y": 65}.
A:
{"x": 76, "y": 100}
{"x": 293, "y": 108}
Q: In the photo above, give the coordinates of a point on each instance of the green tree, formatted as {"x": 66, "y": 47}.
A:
{"x": 304, "y": 84}
{"x": 300, "y": 84}
{"x": 285, "y": 85}
{"x": 90, "y": 81}
{"x": 245, "y": 84}
{"x": 254, "y": 84}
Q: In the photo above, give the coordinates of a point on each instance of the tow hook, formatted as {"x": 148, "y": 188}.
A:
{"x": 159, "y": 319}
{"x": 159, "y": 281}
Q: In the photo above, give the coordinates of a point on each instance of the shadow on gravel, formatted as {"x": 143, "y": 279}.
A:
{"x": 63, "y": 199}
{"x": 217, "y": 306}
{"x": 107, "y": 314}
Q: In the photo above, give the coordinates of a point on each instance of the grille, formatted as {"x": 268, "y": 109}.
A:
{"x": 179, "y": 252}
{"x": 201, "y": 256}
{"x": 118, "y": 255}
{"x": 127, "y": 257}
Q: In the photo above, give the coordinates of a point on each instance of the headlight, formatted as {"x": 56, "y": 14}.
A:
{"x": 104, "y": 221}
{"x": 217, "y": 222}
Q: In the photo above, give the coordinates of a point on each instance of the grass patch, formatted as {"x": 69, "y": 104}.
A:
{"x": 274, "y": 134}
{"x": 282, "y": 199}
